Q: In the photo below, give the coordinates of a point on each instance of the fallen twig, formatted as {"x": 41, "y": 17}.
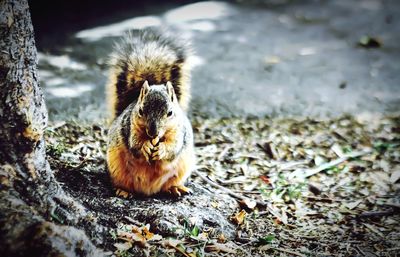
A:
{"x": 200, "y": 144}
{"x": 394, "y": 205}
{"x": 375, "y": 214}
{"x": 328, "y": 165}
{"x": 132, "y": 221}
{"x": 373, "y": 229}
{"x": 323, "y": 199}
{"x": 223, "y": 152}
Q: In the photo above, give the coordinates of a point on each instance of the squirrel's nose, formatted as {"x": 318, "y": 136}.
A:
{"x": 152, "y": 130}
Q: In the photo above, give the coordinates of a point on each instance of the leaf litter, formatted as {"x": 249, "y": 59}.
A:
{"x": 303, "y": 186}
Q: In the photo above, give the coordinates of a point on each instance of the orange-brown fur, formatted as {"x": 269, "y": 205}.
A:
{"x": 137, "y": 175}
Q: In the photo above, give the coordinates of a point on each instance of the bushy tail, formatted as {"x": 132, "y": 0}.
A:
{"x": 152, "y": 55}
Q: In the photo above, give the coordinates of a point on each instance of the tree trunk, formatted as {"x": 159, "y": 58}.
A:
{"x": 23, "y": 112}
{"x": 29, "y": 193}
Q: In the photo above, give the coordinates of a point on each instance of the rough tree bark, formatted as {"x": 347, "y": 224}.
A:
{"x": 29, "y": 194}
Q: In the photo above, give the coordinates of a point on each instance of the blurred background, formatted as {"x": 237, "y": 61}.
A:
{"x": 252, "y": 58}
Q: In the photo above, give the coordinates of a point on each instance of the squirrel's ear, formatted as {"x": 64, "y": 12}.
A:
{"x": 171, "y": 91}
{"x": 146, "y": 87}
{"x": 144, "y": 90}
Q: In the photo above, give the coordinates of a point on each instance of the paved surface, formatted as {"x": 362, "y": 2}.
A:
{"x": 294, "y": 58}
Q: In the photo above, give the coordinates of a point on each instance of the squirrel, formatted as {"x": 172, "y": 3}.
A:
{"x": 150, "y": 141}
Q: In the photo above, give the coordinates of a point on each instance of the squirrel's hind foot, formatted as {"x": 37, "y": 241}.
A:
{"x": 178, "y": 191}
{"x": 122, "y": 193}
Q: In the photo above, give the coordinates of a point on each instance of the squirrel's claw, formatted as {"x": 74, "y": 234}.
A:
{"x": 179, "y": 190}
{"x": 122, "y": 193}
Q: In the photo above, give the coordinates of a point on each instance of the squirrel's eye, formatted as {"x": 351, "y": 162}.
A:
{"x": 140, "y": 112}
{"x": 169, "y": 114}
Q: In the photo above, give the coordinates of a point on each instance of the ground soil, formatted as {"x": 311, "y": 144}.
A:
{"x": 349, "y": 208}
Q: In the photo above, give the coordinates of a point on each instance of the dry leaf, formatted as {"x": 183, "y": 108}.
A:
{"x": 203, "y": 236}
{"x": 239, "y": 217}
{"x": 138, "y": 235}
{"x": 265, "y": 179}
{"x": 248, "y": 203}
{"x": 318, "y": 160}
{"x": 277, "y": 213}
{"x": 352, "y": 205}
{"x": 123, "y": 246}
{"x": 149, "y": 235}
{"x": 132, "y": 237}
{"x": 264, "y": 247}
{"x": 146, "y": 233}
{"x": 337, "y": 150}
{"x": 284, "y": 217}
{"x": 374, "y": 229}
{"x": 221, "y": 238}
{"x": 193, "y": 220}
{"x": 173, "y": 242}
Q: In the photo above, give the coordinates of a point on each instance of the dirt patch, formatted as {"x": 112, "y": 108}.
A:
{"x": 329, "y": 187}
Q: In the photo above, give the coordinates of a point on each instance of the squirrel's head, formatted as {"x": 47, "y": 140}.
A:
{"x": 156, "y": 109}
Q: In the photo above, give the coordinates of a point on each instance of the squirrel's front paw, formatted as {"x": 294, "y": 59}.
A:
{"x": 147, "y": 149}
{"x": 159, "y": 152}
